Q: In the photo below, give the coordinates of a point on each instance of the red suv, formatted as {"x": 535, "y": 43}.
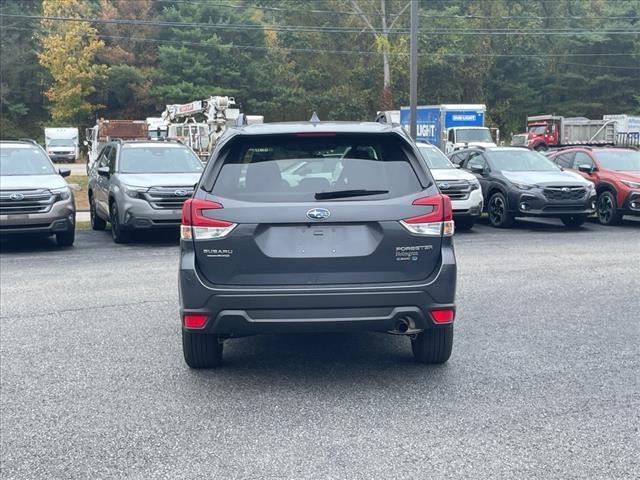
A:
{"x": 616, "y": 174}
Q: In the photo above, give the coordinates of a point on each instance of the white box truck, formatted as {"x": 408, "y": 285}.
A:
{"x": 62, "y": 144}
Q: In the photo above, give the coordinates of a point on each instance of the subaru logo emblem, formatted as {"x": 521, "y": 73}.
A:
{"x": 180, "y": 193}
{"x": 444, "y": 185}
{"x": 318, "y": 213}
{"x": 16, "y": 196}
{"x": 566, "y": 189}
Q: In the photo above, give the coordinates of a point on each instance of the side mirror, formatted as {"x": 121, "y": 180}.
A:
{"x": 85, "y": 143}
{"x": 456, "y": 165}
{"x": 64, "y": 172}
{"x": 586, "y": 168}
{"x": 477, "y": 169}
{"x": 104, "y": 172}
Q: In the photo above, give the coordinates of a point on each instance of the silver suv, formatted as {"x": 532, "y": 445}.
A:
{"x": 34, "y": 198}
{"x": 141, "y": 185}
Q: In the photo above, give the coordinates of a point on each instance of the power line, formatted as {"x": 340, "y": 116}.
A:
{"x": 312, "y": 29}
{"x": 360, "y": 52}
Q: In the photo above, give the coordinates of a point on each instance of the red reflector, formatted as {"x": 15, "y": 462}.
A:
{"x": 192, "y": 320}
{"x": 443, "y": 316}
{"x": 192, "y": 214}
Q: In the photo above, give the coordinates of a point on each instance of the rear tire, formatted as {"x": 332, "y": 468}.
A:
{"x": 499, "y": 215}
{"x": 465, "y": 223}
{"x": 434, "y": 345}
{"x": 574, "y": 221}
{"x": 66, "y": 239}
{"x": 608, "y": 213}
{"x": 119, "y": 233}
{"x": 201, "y": 350}
{"x": 97, "y": 223}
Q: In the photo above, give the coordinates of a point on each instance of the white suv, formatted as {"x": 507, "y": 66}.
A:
{"x": 460, "y": 186}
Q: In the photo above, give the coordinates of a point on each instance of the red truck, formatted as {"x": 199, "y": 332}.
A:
{"x": 551, "y": 131}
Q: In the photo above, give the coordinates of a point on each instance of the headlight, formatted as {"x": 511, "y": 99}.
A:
{"x": 523, "y": 186}
{"x": 133, "y": 192}
{"x": 63, "y": 193}
{"x": 591, "y": 186}
{"x": 475, "y": 184}
{"x": 631, "y": 184}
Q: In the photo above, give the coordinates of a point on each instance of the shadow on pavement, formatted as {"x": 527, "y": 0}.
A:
{"x": 330, "y": 358}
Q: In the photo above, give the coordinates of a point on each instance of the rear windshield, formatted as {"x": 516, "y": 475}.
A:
{"x": 24, "y": 161}
{"x": 158, "y": 159}
{"x": 289, "y": 168}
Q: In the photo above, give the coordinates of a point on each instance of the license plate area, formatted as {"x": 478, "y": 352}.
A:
{"x": 319, "y": 241}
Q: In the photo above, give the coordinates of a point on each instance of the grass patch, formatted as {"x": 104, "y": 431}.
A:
{"x": 78, "y": 184}
{"x": 83, "y": 225}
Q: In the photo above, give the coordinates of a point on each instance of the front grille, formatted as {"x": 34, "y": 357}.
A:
{"x": 21, "y": 202}
{"x": 167, "y": 198}
{"x": 564, "y": 193}
{"x": 455, "y": 189}
{"x": 519, "y": 140}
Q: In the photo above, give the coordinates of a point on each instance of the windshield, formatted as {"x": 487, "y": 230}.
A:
{"x": 158, "y": 159}
{"x": 61, "y": 142}
{"x": 623, "y": 160}
{"x": 157, "y": 133}
{"x": 520, "y": 161}
{"x": 24, "y": 161}
{"x": 301, "y": 168}
{"x": 467, "y": 135}
{"x": 435, "y": 158}
{"x": 538, "y": 129}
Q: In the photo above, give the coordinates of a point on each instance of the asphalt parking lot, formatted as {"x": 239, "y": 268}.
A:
{"x": 543, "y": 382}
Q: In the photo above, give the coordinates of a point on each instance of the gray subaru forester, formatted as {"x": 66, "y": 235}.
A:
{"x": 316, "y": 227}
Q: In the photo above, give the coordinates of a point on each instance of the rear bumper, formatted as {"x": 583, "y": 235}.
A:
{"x": 254, "y": 310}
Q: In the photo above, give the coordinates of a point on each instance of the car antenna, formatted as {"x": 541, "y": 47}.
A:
{"x": 314, "y": 118}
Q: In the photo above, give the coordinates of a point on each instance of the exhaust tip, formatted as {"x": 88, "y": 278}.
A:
{"x": 402, "y": 326}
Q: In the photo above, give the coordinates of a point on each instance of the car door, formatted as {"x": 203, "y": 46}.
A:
{"x": 101, "y": 183}
{"x": 477, "y": 160}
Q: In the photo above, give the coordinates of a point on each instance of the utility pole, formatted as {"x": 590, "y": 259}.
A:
{"x": 413, "y": 71}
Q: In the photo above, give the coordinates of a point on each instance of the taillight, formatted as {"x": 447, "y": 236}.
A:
{"x": 195, "y": 226}
{"x": 445, "y": 315}
{"x": 195, "y": 320}
{"x": 438, "y": 221}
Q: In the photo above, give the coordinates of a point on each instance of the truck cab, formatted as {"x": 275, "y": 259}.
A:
{"x": 540, "y": 135}
{"x": 465, "y": 137}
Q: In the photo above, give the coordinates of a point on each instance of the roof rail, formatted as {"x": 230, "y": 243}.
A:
{"x": 567, "y": 147}
{"x": 29, "y": 140}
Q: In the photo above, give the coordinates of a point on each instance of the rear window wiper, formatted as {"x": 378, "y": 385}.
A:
{"x": 348, "y": 193}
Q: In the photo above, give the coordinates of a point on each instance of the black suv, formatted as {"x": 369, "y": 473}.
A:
{"x": 518, "y": 182}
{"x": 315, "y": 227}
